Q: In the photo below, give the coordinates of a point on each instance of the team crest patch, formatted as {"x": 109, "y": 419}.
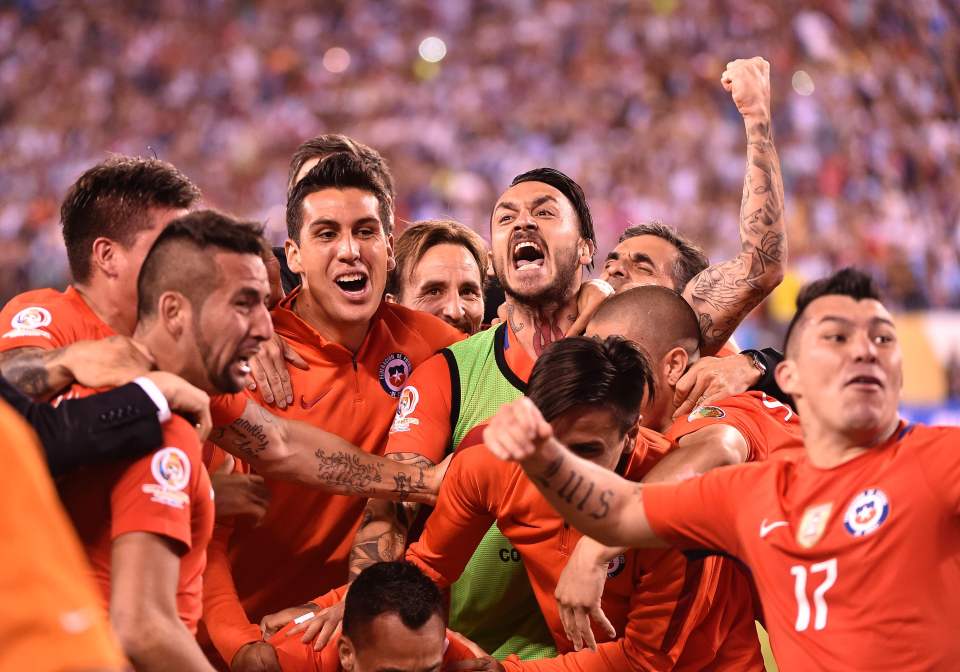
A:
{"x": 30, "y": 322}
{"x": 615, "y": 566}
{"x": 706, "y": 412}
{"x": 406, "y": 405}
{"x": 394, "y": 371}
{"x": 813, "y": 524}
{"x": 171, "y": 471}
{"x": 866, "y": 512}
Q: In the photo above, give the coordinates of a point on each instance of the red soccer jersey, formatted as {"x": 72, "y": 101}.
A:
{"x": 857, "y": 566}
{"x": 167, "y": 493}
{"x": 48, "y": 319}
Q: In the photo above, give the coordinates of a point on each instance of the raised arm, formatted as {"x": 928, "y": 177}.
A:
{"x": 296, "y": 451}
{"x": 723, "y": 294}
{"x": 594, "y": 500}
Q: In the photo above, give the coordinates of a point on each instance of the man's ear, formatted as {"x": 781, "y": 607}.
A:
{"x": 292, "y": 250}
{"x": 786, "y": 375}
{"x": 630, "y": 439}
{"x": 391, "y": 259}
{"x": 390, "y": 298}
{"x": 103, "y": 255}
{"x": 674, "y": 365}
{"x": 174, "y": 312}
{"x": 348, "y": 655}
{"x": 491, "y": 272}
{"x": 586, "y": 250}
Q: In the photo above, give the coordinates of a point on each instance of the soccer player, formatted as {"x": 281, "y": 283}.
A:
{"x": 441, "y": 269}
{"x": 853, "y": 547}
{"x": 51, "y": 618}
{"x": 360, "y": 351}
{"x": 393, "y": 620}
{"x": 541, "y": 239}
{"x": 590, "y": 391}
{"x": 145, "y": 523}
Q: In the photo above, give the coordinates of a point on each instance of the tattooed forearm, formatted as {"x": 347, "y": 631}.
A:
{"x": 574, "y": 488}
{"x": 382, "y": 534}
{"x": 340, "y": 469}
{"x": 723, "y": 294}
{"x": 27, "y": 369}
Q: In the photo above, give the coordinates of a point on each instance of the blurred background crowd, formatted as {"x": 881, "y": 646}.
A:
{"x": 461, "y": 95}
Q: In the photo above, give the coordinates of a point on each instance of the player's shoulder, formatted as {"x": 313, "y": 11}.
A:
{"x": 180, "y": 434}
{"x": 928, "y": 436}
{"x": 35, "y": 310}
{"x": 416, "y": 325}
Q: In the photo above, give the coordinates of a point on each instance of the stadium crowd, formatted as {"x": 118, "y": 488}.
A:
{"x": 227, "y": 91}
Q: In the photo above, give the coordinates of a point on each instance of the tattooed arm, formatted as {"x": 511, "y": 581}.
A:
{"x": 593, "y": 499}
{"x": 296, "y": 451}
{"x": 723, "y": 294}
{"x": 382, "y": 535}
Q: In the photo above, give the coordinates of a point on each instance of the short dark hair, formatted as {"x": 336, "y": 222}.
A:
{"x": 414, "y": 242}
{"x": 170, "y": 267}
{"x": 340, "y": 171}
{"x": 328, "y": 144}
{"x": 574, "y": 193}
{"x": 690, "y": 257}
{"x": 848, "y": 281}
{"x": 113, "y": 199}
{"x": 390, "y": 588}
{"x": 613, "y": 373}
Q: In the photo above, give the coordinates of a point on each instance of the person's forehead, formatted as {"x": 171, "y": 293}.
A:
{"x": 444, "y": 258}
{"x": 527, "y": 192}
{"x": 329, "y": 201}
{"x": 241, "y": 269}
{"x": 586, "y": 423}
{"x": 659, "y": 250}
{"x": 846, "y": 307}
{"x": 388, "y": 637}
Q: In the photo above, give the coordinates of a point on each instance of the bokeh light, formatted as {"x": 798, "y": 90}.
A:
{"x": 432, "y": 49}
{"x": 336, "y": 59}
{"x": 802, "y": 83}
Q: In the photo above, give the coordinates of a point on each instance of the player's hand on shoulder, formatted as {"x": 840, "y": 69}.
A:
{"x": 483, "y": 661}
{"x": 184, "y": 399}
{"x": 516, "y": 431}
{"x": 748, "y": 82}
{"x": 321, "y": 628}
{"x": 109, "y": 362}
{"x": 273, "y": 623}
{"x": 711, "y": 379}
{"x": 238, "y": 494}
{"x": 256, "y": 657}
{"x": 578, "y": 595}
{"x": 269, "y": 371}
{"x": 592, "y": 294}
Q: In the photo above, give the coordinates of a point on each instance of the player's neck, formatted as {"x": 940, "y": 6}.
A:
{"x": 827, "y": 447}
{"x": 99, "y": 296}
{"x": 348, "y": 334}
{"x": 536, "y": 327}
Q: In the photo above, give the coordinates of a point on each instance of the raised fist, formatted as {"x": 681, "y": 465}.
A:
{"x": 748, "y": 81}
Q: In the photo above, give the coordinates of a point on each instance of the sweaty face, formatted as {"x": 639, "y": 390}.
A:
{"x": 844, "y": 367}
{"x": 388, "y": 645}
{"x": 536, "y": 244}
{"x": 594, "y": 433}
{"x": 641, "y": 260}
{"x": 343, "y": 255}
{"x": 233, "y": 321}
{"x": 446, "y": 282}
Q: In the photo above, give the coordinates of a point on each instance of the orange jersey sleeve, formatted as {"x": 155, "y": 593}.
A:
{"x": 51, "y": 616}
{"x": 48, "y": 319}
{"x": 699, "y": 512}
{"x": 463, "y": 514}
{"x": 765, "y": 424}
{"x": 226, "y": 408}
{"x": 422, "y": 424}
{"x": 939, "y": 458}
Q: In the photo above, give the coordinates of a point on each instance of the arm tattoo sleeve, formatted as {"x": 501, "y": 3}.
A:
{"x": 27, "y": 370}
{"x": 724, "y": 293}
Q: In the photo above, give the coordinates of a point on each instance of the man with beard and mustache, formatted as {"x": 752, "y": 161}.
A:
{"x": 541, "y": 239}
{"x": 441, "y": 268}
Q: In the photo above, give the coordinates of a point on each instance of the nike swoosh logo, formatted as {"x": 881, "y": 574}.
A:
{"x": 766, "y": 529}
{"x": 305, "y": 406}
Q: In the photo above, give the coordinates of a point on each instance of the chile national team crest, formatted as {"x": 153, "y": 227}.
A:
{"x": 394, "y": 371}
{"x": 866, "y": 512}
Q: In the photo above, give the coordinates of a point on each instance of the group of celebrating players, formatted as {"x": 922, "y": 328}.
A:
{"x": 325, "y": 392}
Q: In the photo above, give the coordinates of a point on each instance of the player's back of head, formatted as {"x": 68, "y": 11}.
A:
{"x": 181, "y": 259}
{"x": 656, "y": 318}
{"x": 571, "y": 190}
{"x": 397, "y": 590}
{"x": 691, "y": 259}
{"x": 113, "y": 199}
{"x": 612, "y": 373}
{"x": 850, "y": 282}
{"x": 338, "y": 171}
